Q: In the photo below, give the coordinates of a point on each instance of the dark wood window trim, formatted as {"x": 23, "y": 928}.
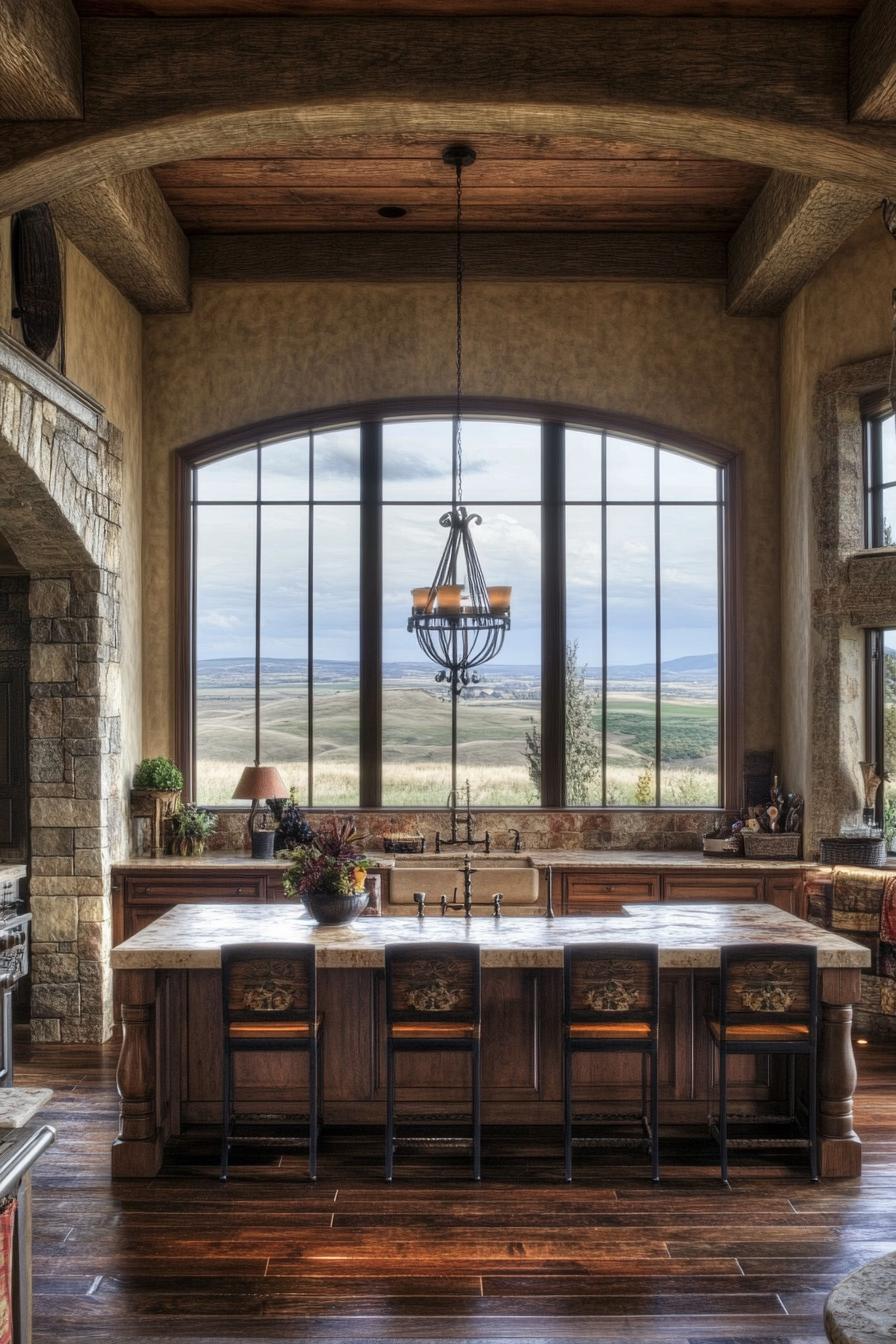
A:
{"x": 875, "y": 410}
{"x": 553, "y": 417}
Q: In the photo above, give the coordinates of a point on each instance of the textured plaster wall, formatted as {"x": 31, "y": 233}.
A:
{"x": 839, "y": 318}
{"x": 664, "y": 352}
{"x": 103, "y": 354}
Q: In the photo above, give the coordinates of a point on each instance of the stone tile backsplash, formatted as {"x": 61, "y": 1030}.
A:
{"x": 647, "y": 830}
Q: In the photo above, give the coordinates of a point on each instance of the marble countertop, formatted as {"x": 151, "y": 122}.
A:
{"x": 12, "y": 872}
{"x": 18, "y": 1105}
{"x": 689, "y": 936}
{"x": 862, "y": 1308}
{"x": 613, "y": 859}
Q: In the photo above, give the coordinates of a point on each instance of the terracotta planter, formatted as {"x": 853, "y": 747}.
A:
{"x": 325, "y": 908}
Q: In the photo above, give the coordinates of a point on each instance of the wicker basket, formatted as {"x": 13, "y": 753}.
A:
{"x": 763, "y": 845}
{"x": 726, "y": 849}
{"x": 855, "y": 851}
{"x": 404, "y": 844}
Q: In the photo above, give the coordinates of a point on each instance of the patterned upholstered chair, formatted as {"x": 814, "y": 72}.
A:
{"x": 433, "y": 1004}
{"x": 269, "y": 999}
{"x": 611, "y": 1003}
{"x": 768, "y": 1005}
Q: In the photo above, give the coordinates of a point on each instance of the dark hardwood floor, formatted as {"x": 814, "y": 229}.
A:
{"x": 434, "y": 1258}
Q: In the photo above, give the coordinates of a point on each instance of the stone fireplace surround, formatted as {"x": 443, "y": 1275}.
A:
{"x": 60, "y": 504}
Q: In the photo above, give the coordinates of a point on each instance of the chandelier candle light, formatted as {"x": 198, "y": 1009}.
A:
{"x": 460, "y": 625}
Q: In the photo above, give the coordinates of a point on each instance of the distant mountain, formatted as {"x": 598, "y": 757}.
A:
{"x": 239, "y": 670}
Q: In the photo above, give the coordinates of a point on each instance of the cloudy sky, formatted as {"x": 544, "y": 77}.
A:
{"x": 502, "y": 478}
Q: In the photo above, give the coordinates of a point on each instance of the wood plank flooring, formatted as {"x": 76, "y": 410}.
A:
{"x": 435, "y": 1258}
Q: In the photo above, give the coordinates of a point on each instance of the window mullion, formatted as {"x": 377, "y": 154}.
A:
{"x": 603, "y": 618}
{"x": 658, "y": 624}
{"x": 370, "y": 744}
{"x": 553, "y": 617}
{"x": 258, "y": 605}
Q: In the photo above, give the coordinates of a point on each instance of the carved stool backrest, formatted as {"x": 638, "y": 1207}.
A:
{"x": 611, "y": 982}
{"x": 439, "y": 982}
{"x": 769, "y": 983}
{"x": 267, "y": 984}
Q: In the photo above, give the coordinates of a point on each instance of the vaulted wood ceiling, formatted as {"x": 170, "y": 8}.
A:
{"x": 685, "y": 139}
{"x": 523, "y": 183}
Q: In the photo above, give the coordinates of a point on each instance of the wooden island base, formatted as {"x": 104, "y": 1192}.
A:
{"x": 169, "y": 1075}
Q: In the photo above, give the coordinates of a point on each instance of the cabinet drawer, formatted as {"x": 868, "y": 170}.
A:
{"x": 587, "y": 894}
{"x": 183, "y": 891}
{"x": 713, "y": 888}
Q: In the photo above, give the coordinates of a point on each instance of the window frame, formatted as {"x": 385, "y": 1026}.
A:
{"x": 875, "y": 409}
{"x": 875, "y": 710}
{"x": 554, "y": 418}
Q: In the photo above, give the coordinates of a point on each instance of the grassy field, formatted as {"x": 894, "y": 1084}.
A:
{"x": 416, "y": 755}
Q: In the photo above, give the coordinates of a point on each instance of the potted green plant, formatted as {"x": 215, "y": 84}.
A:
{"x": 155, "y": 797}
{"x": 190, "y": 829}
{"x": 328, "y": 874}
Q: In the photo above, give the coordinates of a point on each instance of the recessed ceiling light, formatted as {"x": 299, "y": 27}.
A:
{"x": 392, "y": 211}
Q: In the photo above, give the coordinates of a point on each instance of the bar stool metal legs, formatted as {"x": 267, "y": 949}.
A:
{"x": 611, "y": 1005}
{"x": 768, "y": 1005}
{"x": 269, "y": 1004}
{"x": 433, "y": 1006}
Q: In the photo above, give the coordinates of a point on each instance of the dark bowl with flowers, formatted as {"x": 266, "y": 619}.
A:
{"x": 328, "y": 874}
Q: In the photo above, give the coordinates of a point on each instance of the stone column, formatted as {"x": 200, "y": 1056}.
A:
{"x": 75, "y": 800}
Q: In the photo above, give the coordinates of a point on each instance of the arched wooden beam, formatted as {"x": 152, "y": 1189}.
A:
{"x": 770, "y": 92}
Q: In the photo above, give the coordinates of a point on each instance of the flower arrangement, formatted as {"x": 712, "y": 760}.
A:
{"x": 191, "y": 828}
{"x": 293, "y": 831}
{"x": 330, "y": 864}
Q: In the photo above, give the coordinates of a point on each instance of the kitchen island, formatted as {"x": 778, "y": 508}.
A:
{"x": 168, "y": 976}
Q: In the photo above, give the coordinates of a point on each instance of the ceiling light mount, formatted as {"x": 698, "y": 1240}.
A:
{"x": 459, "y": 156}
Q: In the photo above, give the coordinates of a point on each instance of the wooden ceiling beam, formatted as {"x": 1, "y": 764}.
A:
{"x": 124, "y": 226}
{"x": 431, "y": 256}
{"x": 768, "y": 92}
{"x": 40, "y": 60}
{"x": 872, "y": 59}
{"x": 794, "y": 225}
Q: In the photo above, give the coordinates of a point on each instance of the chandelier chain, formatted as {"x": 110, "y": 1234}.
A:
{"x": 458, "y": 326}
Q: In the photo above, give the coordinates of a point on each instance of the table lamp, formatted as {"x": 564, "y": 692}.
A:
{"x": 257, "y": 782}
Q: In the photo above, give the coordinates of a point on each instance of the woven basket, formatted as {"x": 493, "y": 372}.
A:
{"x": 762, "y": 845}
{"x": 855, "y": 851}
{"x": 725, "y": 849}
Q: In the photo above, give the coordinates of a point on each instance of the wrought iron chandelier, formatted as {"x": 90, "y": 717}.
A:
{"x": 460, "y": 623}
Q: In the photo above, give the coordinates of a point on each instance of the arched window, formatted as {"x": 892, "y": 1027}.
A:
{"x": 301, "y": 547}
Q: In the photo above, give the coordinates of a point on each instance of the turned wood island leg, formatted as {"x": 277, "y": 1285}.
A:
{"x": 840, "y": 1149}
{"x": 138, "y": 1149}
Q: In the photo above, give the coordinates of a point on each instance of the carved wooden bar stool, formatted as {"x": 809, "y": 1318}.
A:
{"x": 433, "y": 1004}
{"x": 768, "y": 1005}
{"x": 611, "y": 1004}
{"x": 270, "y": 1004}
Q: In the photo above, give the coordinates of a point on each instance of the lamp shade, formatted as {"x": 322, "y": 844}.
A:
{"x": 260, "y": 781}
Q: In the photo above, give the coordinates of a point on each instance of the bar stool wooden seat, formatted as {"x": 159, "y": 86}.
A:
{"x": 611, "y": 1003}
{"x": 269, "y": 1002}
{"x": 768, "y": 1005}
{"x": 432, "y": 1004}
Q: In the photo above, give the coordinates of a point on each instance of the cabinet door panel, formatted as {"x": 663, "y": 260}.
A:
{"x": 787, "y": 894}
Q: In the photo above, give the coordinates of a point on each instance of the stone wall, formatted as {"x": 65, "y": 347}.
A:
{"x": 60, "y": 496}
{"x": 15, "y": 637}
